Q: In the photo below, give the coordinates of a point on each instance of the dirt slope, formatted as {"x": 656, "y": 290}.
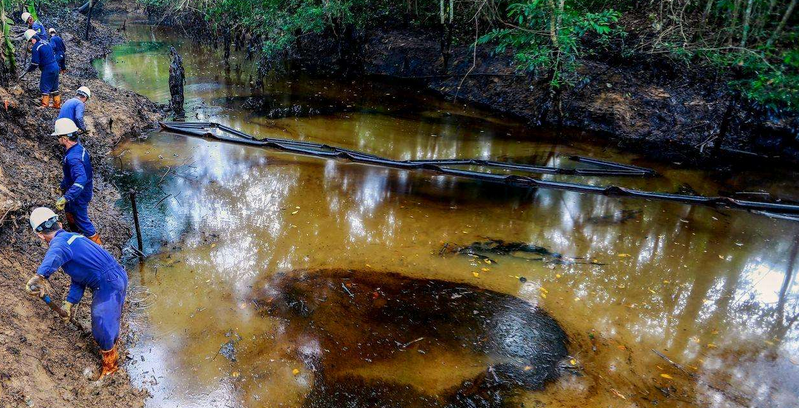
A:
{"x": 42, "y": 361}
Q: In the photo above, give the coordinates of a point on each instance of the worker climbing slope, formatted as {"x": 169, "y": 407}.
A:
{"x": 73, "y": 109}
{"x": 34, "y": 25}
{"x": 77, "y": 183}
{"x": 59, "y": 49}
{"x": 42, "y": 57}
{"x": 90, "y": 266}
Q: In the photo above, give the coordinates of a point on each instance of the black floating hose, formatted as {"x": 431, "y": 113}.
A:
{"x": 205, "y": 130}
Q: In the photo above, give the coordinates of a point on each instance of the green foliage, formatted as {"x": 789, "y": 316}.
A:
{"x": 550, "y": 37}
{"x": 6, "y": 46}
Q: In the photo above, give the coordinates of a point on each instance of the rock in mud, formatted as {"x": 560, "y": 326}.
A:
{"x": 358, "y": 319}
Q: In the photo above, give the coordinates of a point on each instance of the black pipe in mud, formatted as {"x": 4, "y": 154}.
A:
{"x": 362, "y": 319}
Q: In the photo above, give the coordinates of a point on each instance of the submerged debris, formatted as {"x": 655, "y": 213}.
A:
{"x": 514, "y": 249}
{"x": 619, "y": 217}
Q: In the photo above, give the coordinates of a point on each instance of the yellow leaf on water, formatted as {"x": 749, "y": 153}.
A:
{"x": 295, "y": 212}
{"x": 295, "y": 371}
{"x": 213, "y": 245}
{"x": 368, "y": 266}
{"x": 235, "y": 374}
{"x": 542, "y": 289}
{"x": 711, "y": 345}
{"x": 573, "y": 362}
{"x": 475, "y": 274}
{"x": 696, "y": 340}
{"x": 665, "y": 281}
{"x": 544, "y": 295}
{"x": 652, "y": 291}
{"x": 485, "y": 269}
{"x": 666, "y": 376}
{"x": 242, "y": 305}
{"x": 488, "y": 261}
{"x": 557, "y": 276}
{"x": 576, "y": 299}
{"x": 623, "y": 255}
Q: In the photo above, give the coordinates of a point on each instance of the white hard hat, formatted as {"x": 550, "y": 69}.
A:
{"x": 51, "y": 30}
{"x": 26, "y": 16}
{"x": 29, "y": 34}
{"x": 64, "y": 127}
{"x": 42, "y": 218}
{"x": 84, "y": 91}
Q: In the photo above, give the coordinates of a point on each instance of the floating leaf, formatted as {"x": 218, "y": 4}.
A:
{"x": 573, "y": 362}
{"x": 652, "y": 291}
{"x": 475, "y": 274}
{"x": 488, "y": 261}
{"x": 711, "y": 345}
{"x": 623, "y": 255}
{"x": 295, "y": 212}
{"x": 557, "y": 275}
{"x": 295, "y": 371}
{"x": 666, "y": 376}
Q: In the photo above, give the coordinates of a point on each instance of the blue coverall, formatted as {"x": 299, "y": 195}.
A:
{"x": 60, "y": 51}
{"x": 73, "y": 110}
{"x": 90, "y": 266}
{"x": 77, "y": 188}
{"x": 39, "y": 28}
{"x": 42, "y": 56}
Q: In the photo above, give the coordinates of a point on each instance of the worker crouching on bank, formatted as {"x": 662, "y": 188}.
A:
{"x": 76, "y": 185}
{"x": 90, "y": 266}
{"x": 42, "y": 57}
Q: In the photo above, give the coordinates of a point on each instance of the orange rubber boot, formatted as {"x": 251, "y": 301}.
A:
{"x": 110, "y": 362}
{"x": 45, "y": 101}
{"x": 57, "y": 100}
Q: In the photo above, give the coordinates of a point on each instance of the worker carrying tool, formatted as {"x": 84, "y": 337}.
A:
{"x": 42, "y": 57}
{"x": 73, "y": 108}
{"x": 90, "y": 266}
{"x": 34, "y": 25}
{"x": 59, "y": 49}
{"x": 76, "y": 186}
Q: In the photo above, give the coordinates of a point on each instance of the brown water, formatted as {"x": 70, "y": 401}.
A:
{"x": 714, "y": 291}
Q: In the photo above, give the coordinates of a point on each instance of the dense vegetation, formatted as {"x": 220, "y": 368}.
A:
{"x": 750, "y": 41}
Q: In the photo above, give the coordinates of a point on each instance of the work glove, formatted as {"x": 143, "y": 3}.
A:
{"x": 38, "y": 286}
{"x": 60, "y": 203}
{"x": 71, "y": 310}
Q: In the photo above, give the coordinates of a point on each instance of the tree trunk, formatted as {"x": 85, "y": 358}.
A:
{"x": 89, "y": 19}
{"x": 724, "y": 129}
{"x": 177, "y": 78}
{"x": 784, "y": 21}
{"x": 747, "y": 17}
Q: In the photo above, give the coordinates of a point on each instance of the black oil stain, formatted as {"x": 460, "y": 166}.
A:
{"x": 361, "y": 317}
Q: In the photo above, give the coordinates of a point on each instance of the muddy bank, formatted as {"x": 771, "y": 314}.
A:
{"x": 346, "y": 321}
{"x": 42, "y": 362}
{"x": 654, "y": 106}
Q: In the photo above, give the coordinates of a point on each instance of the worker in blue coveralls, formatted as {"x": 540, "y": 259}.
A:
{"x": 76, "y": 186}
{"x": 90, "y": 266}
{"x": 73, "y": 108}
{"x": 42, "y": 57}
{"x": 34, "y": 25}
{"x": 59, "y": 49}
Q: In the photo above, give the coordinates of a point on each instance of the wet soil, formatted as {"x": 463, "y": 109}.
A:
{"x": 345, "y": 321}
{"x": 43, "y": 361}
